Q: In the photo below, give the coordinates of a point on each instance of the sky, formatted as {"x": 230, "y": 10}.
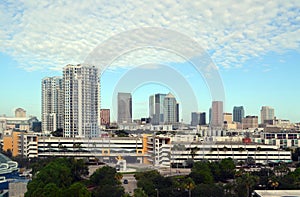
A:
{"x": 253, "y": 47}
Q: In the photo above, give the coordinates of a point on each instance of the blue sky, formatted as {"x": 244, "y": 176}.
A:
{"x": 255, "y": 46}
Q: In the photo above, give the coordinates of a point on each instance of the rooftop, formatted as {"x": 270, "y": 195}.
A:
{"x": 4, "y": 159}
{"x": 277, "y": 193}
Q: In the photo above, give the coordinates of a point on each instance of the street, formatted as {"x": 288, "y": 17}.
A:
{"x": 129, "y": 188}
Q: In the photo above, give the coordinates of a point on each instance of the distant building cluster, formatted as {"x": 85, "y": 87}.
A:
{"x": 72, "y": 119}
{"x": 20, "y": 122}
{"x": 71, "y": 102}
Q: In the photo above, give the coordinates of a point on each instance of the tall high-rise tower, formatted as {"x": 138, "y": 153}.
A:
{"x": 82, "y": 100}
{"x": 52, "y": 104}
{"x": 124, "y": 107}
{"x": 171, "y": 108}
{"x": 217, "y": 114}
{"x": 156, "y": 108}
{"x": 266, "y": 113}
{"x": 195, "y": 118}
{"x": 238, "y": 114}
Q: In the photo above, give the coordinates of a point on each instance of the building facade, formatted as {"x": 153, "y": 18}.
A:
{"x": 52, "y": 104}
{"x": 195, "y": 118}
{"x": 266, "y": 113}
{"x": 217, "y": 114}
{"x": 81, "y": 101}
{"x": 156, "y": 108}
{"x": 171, "y": 107}
{"x": 250, "y": 122}
{"x": 281, "y": 139}
{"x": 124, "y": 107}
{"x": 227, "y": 118}
{"x": 17, "y": 124}
{"x": 202, "y": 118}
{"x": 105, "y": 117}
{"x": 198, "y": 118}
{"x": 159, "y": 150}
{"x": 176, "y": 151}
{"x": 20, "y": 113}
{"x": 238, "y": 113}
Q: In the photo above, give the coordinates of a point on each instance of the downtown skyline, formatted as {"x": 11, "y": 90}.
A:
{"x": 257, "y": 53}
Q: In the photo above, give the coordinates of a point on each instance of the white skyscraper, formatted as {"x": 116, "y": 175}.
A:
{"x": 82, "y": 100}
{"x": 171, "y": 108}
{"x": 52, "y": 104}
{"x": 266, "y": 113}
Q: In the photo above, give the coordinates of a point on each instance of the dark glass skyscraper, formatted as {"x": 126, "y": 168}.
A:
{"x": 198, "y": 118}
{"x": 156, "y": 108}
{"x": 238, "y": 113}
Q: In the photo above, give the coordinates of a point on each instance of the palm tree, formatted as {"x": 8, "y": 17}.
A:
{"x": 77, "y": 146}
{"x": 258, "y": 148}
{"x": 241, "y": 149}
{"x": 194, "y": 152}
{"x": 189, "y": 185}
{"x": 248, "y": 181}
{"x": 60, "y": 146}
{"x": 49, "y": 148}
{"x": 273, "y": 182}
{"x": 118, "y": 176}
{"x": 282, "y": 168}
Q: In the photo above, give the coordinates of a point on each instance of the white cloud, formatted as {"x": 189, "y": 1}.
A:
{"x": 51, "y": 35}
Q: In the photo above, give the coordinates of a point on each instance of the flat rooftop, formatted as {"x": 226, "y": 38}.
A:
{"x": 277, "y": 193}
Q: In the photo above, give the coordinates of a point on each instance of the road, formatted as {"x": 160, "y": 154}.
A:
{"x": 129, "y": 188}
{"x": 174, "y": 171}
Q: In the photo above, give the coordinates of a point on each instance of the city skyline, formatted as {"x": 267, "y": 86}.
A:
{"x": 255, "y": 46}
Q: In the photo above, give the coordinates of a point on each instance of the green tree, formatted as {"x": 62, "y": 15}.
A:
{"x": 57, "y": 172}
{"x": 281, "y": 169}
{"x": 55, "y": 178}
{"x": 264, "y": 175}
{"x": 189, "y": 185}
{"x": 246, "y": 181}
{"x": 139, "y": 192}
{"x": 227, "y": 169}
{"x": 118, "y": 176}
{"x": 107, "y": 183}
{"x": 51, "y": 190}
{"x": 78, "y": 168}
{"x": 104, "y": 176}
{"x": 215, "y": 170}
{"x": 201, "y": 173}
{"x": 152, "y": 182}
{"x": 77, "y": 190}
{"x": 208, "y": 190}
{"x": 289, "y": 181}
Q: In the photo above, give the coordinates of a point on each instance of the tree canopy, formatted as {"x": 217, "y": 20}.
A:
{"x": 59, "y": 178}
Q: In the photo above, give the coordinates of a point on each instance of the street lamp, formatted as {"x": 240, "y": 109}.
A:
{"x": 157, "y": 192}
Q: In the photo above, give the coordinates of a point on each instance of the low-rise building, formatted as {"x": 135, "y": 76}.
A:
{"x": 166, "y": 151}
{"x": 282, "y": 139}
{"x": 159, "y": 150}
{"x": 250, "y": 122}
{"x": 21, "y": 143}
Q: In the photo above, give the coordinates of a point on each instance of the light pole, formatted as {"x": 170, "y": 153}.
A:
{"x": 157, "y": 192}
